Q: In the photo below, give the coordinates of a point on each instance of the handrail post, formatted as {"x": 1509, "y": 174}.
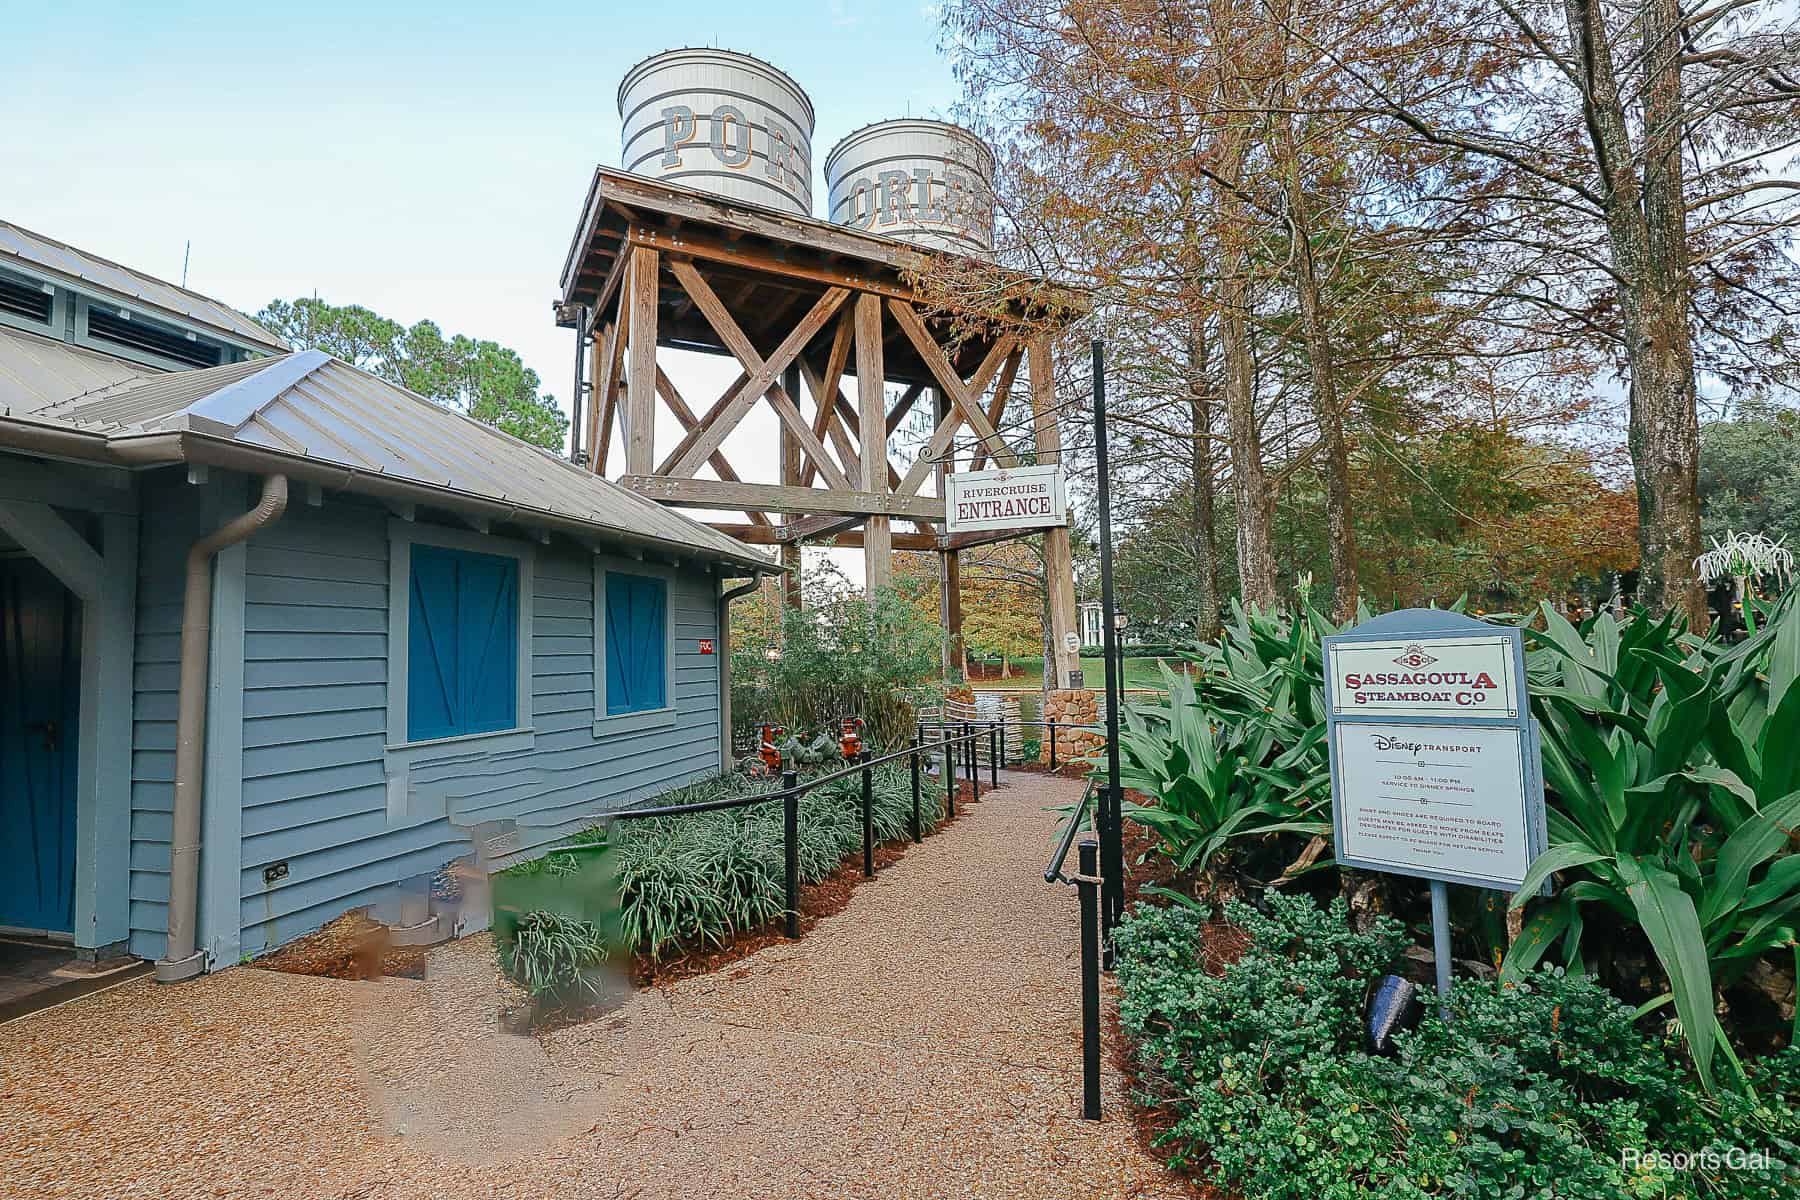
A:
{"x": 974, "y": 764}
{"x": 995, "y": 742}
{"x": 1089, "y": 887}
{"x": 868, "y": 817}
{"x": 949, "y": 777}
{"x": 790, "y": 832}
{"x": 1053, "y": 745}
{"x": 913, "y": 761}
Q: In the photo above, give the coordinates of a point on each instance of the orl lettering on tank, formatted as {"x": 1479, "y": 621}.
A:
{"x": 720, "y": 121}
{"x": 927, "y": 182}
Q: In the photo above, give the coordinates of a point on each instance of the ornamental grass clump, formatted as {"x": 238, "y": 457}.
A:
{"x": 1546, "y": 1087}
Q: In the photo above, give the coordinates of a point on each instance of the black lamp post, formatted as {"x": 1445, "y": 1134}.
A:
{"x": 1110, "y": 815}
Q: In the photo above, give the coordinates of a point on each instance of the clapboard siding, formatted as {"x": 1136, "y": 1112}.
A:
{"x": 169, "y": 524}
{"x": 315, "y": 725}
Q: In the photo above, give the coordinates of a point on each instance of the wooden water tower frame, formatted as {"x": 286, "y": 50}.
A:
{"x": 795, "y": 300}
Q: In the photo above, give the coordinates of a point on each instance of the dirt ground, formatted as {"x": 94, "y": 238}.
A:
{"x": 919, "y": 1043}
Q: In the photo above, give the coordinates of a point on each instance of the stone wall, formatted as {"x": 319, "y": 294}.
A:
{"x": 1072, "y": 706}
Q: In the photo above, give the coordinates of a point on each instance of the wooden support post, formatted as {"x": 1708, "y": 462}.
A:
{"x": 950, "y": 612}
{"x": 790, "y": 475}
{"x": 640, "y": 384}
{"x": 1059, "y": 573}
{"x": 878, "y": 549}
{"x": 949, "y": 566}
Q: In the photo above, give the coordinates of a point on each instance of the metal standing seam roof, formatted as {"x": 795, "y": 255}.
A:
{"x": 107, "y": 276}
{"x": 313, "y": 406}
{"x": 36, "y": 372}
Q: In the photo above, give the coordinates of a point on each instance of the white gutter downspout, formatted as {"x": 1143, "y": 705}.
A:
{"x": 181, "y": 960}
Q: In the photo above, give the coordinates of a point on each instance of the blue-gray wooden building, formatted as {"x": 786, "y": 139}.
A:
{"x": 412, "y": 627}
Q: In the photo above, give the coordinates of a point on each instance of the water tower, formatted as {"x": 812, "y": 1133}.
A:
{"x": 705, "y": 241}
{"x": 721, "y": 121}
{"x": 926, "y": 182}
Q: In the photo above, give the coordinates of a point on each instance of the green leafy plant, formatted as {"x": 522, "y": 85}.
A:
{"x": 1537, "y": 1088}
{"x": 1675, "y": 766}
{"x": 843, "y": 654}
{"x": 1219, "y": 778}
{"x": 555, "y": 956}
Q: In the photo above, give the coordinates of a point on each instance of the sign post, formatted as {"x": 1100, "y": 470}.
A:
{"x": 1435, "y": 767}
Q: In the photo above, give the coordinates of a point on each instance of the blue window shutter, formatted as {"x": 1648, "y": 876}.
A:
{"x": 636, "y": 643}
{"x": 462, "y": 643}
{"x": 432, "y": 680}
{"x": 618, "y": 639}
{"x": 488, "y": 613}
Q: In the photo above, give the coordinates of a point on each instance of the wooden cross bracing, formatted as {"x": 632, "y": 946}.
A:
{"x": 838, "y": 481}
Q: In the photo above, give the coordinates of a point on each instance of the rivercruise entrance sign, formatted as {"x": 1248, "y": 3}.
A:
{"x": 1435, "y": 767}
{"x": 1009, "y": 498}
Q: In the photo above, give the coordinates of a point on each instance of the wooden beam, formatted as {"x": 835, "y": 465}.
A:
{"x": 665, "y": 387}
{"x": 762, "y": 375}
{"x": 878, "y": 544}
{"x": 640, "y": 383}
{"x": 1002, "y": 390}
{"x": 50, "y": 539}
{"x": 790, "y": 476}
{"x": 772, "y": 497}
{"x": 946, "y": 375}
{"x": 952, "y": 418}
{"x": 1059, "y": 567}
{"x": 824, "y": 389}
{"x": 598, "y": 358}
{"x": 773, "y": 262}
{"x": 693, "y": 435}
{"x": 850, "y": 539}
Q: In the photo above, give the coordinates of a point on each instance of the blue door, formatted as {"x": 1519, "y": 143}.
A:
{"x": 40, "y": 710}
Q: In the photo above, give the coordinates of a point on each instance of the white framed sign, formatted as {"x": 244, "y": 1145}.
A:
{"x": 1436, "y": 770}
{"x": 1434, "y": 799}
{"x": 1466, "y": 676}
{"x": 1007, "y": 498}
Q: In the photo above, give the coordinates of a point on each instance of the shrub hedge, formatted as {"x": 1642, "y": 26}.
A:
{"x": 1540, "y": 1088}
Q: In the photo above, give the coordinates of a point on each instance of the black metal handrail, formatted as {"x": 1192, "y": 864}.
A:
{"x": 792, "y": 789}
{"x": 1003, "y": 722}
{"x": 1054, "y": 872}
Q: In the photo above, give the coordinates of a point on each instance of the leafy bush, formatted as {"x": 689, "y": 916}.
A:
{"x": 842, "y": 655}
{"x": 1218, "y": 780}
{"x": 1534, "y": 1089}
{"x": 556, "y": 957}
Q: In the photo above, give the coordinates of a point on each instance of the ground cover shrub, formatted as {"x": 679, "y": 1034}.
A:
{"x": 1545, "y": 1087}
{"x": 658, "y": 883}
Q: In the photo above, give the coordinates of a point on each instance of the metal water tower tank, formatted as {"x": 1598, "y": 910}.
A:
{"x": 926, "y": 182}
{"x": 720, "y": 121}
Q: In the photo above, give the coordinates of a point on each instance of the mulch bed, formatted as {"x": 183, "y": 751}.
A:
{"x": 355, "y": 946}
{"x": 818, "y": 900}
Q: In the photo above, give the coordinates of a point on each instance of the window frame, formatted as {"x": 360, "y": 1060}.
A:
{"x": 400, "y": 753}
{"x": 606, "y": 724}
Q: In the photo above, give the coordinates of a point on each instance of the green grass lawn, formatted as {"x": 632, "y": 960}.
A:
{"x": 1029, "y": 673}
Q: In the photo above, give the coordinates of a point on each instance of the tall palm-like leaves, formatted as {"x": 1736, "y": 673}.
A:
{"x": 1675, "y": 766}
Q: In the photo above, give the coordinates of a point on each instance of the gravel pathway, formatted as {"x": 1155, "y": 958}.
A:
{"x": 924, "y": 1042}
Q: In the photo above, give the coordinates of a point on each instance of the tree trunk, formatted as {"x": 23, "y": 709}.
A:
{"x": 1249, "y": 484}
{"x": 1646, "y": 225}
{"x": 1340, "y": 530}
{"x": 1204, "y": 528}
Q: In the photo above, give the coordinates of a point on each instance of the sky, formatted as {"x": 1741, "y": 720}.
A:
{"x": 421, "y": 159}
